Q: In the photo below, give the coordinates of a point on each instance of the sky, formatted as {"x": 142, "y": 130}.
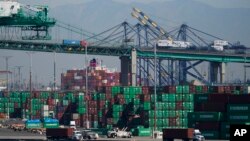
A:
{"x": 215, "y": 3}
{"x": 43, "y": 62}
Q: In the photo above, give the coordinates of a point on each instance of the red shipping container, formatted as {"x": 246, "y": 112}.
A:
{"x": 51, "y": 108}
{"x": 204, "y": 89}
{"x": 210, "y": 107}
{"x": 239, "y": 99}
{"x": 223, "y": 98}
{"x": 218, "y": 89}
{"x": 170, "y": 89}
{"x": 191, "y": 89}
{"x": 145, "y": 90}
{"x": 109, "y": 120}
{"x": 179, "y": 105}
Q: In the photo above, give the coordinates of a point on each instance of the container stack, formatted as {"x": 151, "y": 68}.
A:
{"x": 216, "y": 110}
{"x": 173, "y": 104}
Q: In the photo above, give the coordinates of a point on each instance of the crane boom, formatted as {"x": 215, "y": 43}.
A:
{"x": 146, "y": 18}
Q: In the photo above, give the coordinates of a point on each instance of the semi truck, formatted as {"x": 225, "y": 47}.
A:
{"x": 63, "y": 134}
{"x": 188, "y": 134}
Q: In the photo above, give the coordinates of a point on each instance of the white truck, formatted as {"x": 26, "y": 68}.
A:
{"x": 198, "y": 136}
{"x": 119, "y": 133}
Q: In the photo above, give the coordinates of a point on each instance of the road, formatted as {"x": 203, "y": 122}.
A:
{"x": 10, "y": 135}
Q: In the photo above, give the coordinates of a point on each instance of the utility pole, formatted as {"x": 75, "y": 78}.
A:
{"x": 19, "y": 77}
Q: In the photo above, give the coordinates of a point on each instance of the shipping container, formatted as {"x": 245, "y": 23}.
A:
{"x": 210, "y": 134}
{"x": 206, "y": 116}
{"x": 238, "y": 108}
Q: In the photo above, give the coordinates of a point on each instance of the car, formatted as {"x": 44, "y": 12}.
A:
{"x": 88, "y": 134}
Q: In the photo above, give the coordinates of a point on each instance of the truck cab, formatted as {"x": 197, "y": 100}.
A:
{"x": 198, "y": 136}
{"x": 77, "y": 135}
{"x": 72, "y": 124}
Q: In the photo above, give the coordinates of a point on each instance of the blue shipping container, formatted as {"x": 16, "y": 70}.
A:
{"x": 71, "y": 42}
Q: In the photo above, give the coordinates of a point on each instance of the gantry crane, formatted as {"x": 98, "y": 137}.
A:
{"x": 28, "y": 18}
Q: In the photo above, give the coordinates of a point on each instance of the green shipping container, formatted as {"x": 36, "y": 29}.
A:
{"x": 51, "y": 125}
{"x": 142, "y": 132}
{"x": 198, "y": 89}
{"x": 188, "y": 97}
{"x": 188, "y": 105}
{"x": 224, "y": 135}
{"x": 165, "y": 122}
{"x": 171, "y": 97}
{"x": 117, "y": 108}
{"x": 172, "y": 113}
{"x": 171, "y": 105}
{"x": 239, "y": 108}
{"x": 81, "y": 110}
{"x": 210, "y": 134}
{"x": 116, "y": 115}
{"x": 238, "y": 117}
{"x": 101, "y": 96}
{"x": 146, "y": 106}
{"x": 200, "y": 98}
{"x": 115, "y": 120}
{"x": 178, "y": 97}
{"x": 125, "y": 90}
{"x": 205, "y": 116}
{"x": 179, "y": 89}
{"x": 116, "y": 90}
{"x": 185, "y": 89}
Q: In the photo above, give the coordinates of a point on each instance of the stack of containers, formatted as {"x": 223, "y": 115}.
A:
{"x": 214, "y": 112}
{"x": 172, "y": 107}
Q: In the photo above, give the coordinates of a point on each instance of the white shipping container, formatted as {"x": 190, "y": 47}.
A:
{"x": 45, "y": 113}
{"x": 105, "y": 81}
{"x": 56, "y": 101}
{"x": 220, "y": 43}
{"x": 177, "y": 44}
{"x": 218, "y": 48}
{"x": 45, "y": 107}
{"x": 76, "y": 87}
{"x": 8, "y": 8}
{"x": 248, "y": 89}
{"x": 75, "y": 116}
{"x": 78, "y": 77}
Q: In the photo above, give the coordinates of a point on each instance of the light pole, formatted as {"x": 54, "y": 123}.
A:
{"x": 30, "y": 56}
{"x": 54, "y": 84}
{"x": 7, "y": 69}
{"x": 7, "y": 79}
{"x": 85, "y": 44}
{"x": 155, "y": 77}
